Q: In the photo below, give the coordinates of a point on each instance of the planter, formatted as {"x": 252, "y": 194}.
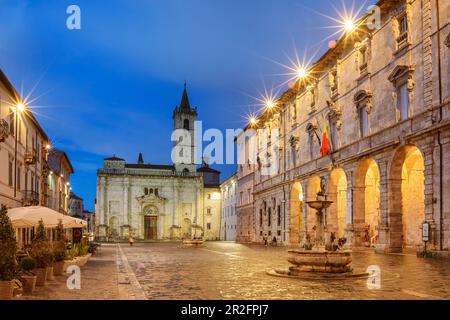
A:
{"x": 58, "y": 268}
{"x": 29, "y": 284}
{"x": 6, "y": 290}
{"x": 50, "y": 274}
{"x": 81, "y": 261}
{"x": 68, "y": 263}
{"x": 41, "y": 276}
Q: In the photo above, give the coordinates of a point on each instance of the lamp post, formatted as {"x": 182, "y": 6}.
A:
{"x": 19, "y": 108}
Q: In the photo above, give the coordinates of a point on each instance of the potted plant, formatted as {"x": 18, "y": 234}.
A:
{"x": 41, "y": 252}
{"x": 27, "y": 264}
{"x": 59, "y": 250}
{"x": 8, "y": 262}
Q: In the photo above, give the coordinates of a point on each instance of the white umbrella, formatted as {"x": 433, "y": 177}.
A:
{"x": 24, "y": 217}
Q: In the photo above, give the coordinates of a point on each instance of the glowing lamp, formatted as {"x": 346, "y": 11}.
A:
{"x": 349, "y": 25}
{"x": 20, "y": 107}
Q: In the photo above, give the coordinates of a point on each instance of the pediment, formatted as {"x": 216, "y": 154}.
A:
{"x": 151, "y": 198}
{"x": 399, "y": 72}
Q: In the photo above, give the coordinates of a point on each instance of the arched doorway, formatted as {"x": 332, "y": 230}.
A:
{"x": 311, "y": 219}
{"x": 407, "y": 183}
{"x": 337, "y": 213}
{"x": 367, "y": 203}
{"x": 296, "y": 213}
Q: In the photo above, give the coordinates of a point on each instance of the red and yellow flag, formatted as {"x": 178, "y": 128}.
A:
{"x": 326, "y": 147}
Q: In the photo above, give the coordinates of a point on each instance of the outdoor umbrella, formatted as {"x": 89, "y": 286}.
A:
{"x": 25, "y": 217}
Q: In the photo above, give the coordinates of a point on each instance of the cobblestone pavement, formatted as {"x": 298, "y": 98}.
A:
{"x": 99, "y": 281}
{"x": 224, "y": 270}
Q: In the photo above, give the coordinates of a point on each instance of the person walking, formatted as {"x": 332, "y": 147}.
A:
{"x": 131, "y": 241}
{"x": 265, "y": 240}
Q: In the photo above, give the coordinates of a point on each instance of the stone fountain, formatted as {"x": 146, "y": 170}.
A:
{"x": 194, "y": 241}
{"x": 320, "y": 258}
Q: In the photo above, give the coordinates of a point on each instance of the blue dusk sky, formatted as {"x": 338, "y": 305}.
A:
{"x": 111, "y": 87}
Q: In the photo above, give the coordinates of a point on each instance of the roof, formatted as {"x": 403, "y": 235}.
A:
{"x": 114, "y": 158}
{"x": 150, "y": 166}
{"x": 233, "y": 176}
{"x": 185, "y": 105}
{"x": 16, "y": 96}
{"x": 140, "y": 158}
{"x": 55, "y": 157}
{"x": 211, "y": 185}
{"x": 74, "y": 196}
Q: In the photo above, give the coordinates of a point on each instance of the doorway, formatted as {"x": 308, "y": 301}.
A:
{"x": 150, "y": 225}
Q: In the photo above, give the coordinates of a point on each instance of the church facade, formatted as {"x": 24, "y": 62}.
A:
{"x": 159, "y": 202}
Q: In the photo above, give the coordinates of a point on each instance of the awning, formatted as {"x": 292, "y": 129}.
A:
{"x": 26, "y": 217}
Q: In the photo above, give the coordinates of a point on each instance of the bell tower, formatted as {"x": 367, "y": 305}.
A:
{"x": 184, "y": 117}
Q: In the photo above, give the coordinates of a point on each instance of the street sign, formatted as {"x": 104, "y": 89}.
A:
{"x": 425, "y": 232}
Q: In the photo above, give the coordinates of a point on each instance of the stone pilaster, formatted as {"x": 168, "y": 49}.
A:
{"x": 383, "y": 226}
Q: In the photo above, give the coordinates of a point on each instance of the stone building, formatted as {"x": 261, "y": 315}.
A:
{"x": 58, "y": 190}
{"x": 158, "y": 202}
{"x": 228, "y": 227}
{"x": 383, "y": 96}
{"x": 23, "y": 152}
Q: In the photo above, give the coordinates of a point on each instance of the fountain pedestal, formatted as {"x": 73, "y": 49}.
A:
{"x": 313, "y": 260}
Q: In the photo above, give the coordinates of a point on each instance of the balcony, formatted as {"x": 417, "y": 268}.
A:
{"x": 30, "y": 198}
{"x": 30, "y": 157}
{"x": 402, "y": 41}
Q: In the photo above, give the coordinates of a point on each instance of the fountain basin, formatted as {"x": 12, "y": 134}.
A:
{"x": 319, "y": 204}
{"x": 319, "y": 261}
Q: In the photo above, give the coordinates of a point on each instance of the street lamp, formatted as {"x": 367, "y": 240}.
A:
{"x": 20, "y": 107}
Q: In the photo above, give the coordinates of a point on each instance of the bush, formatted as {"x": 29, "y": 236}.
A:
{"x": 8, "y": 247}
{"x": 60, "y": 234}
{"x": 27, "y": 264}
{"x": 40, "y": 249}
{"x": 84, "y": 249}
{"x": 73, "y": 252}
{"x": 59, "y": 250}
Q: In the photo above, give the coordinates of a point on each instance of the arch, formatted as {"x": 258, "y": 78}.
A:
{"x": 151, "y": 210}
{"x": 407, "y": 198}
{"x": 362, "y": 95}
{"x": 337, "y": 192}
{"x": 311, "y": 194}
{"x": 296, "y": 213}
{"x": 366, "y": 219}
